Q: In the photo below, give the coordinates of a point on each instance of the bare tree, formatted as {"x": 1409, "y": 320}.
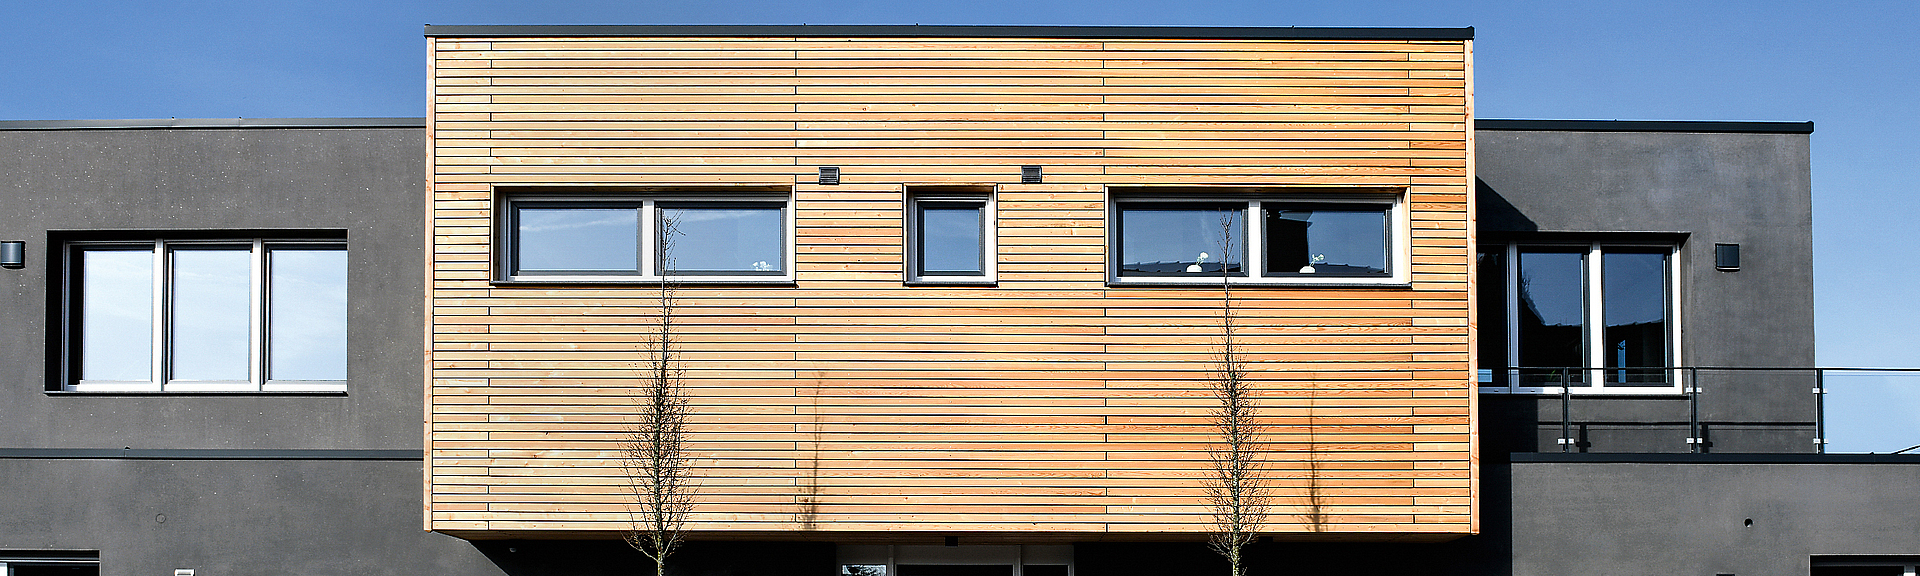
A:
{"x": 1237, "y": 492}
{"x": 1316, "y": 497}
{"x": 658, "y": 468}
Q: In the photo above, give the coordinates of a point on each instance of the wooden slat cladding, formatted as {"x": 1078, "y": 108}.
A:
{"x": 1049, "y": 403}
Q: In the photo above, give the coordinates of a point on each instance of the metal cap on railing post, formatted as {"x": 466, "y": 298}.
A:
{"x": 1695, "y": 442}
{"x": 1566, "y": 412}
{"x": 1819, "y": 410}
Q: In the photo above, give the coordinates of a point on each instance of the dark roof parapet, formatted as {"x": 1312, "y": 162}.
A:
{"x": 1703, "y": 126}
{"x": 173, "y": 123}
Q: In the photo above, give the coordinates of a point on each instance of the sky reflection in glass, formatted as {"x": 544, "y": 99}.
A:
{"x": 211, "y": 297}
{"x": 116, "y": 315}
{"x": 307, "y": 312}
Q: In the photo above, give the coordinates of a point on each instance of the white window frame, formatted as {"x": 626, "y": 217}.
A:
{"x": 506, "y": 257}
{"x": 1593, "y": 284}
{"x": 989, "y": 244}
{"x": 1016, "y": 555}
{"x": 1399, "y": 228}
{"x": 161, "y": 356}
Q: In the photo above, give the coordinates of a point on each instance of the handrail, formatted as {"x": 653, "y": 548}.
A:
{"x": 1686, "y": 380}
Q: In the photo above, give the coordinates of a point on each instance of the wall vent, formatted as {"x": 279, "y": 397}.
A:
{"x": 829, "y": 175}
{"x": 1029, "y": 174}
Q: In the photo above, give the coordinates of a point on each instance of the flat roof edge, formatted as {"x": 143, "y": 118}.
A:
{"x": 1712, "y": 458}
{"x": 967, "y": 31}
{"x": 172, "y": 123}
{"x": 1710, "y": 126}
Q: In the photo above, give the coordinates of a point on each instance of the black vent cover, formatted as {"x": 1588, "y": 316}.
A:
{"x": 1029, "y": 174}
{"x": 829, "y": 175}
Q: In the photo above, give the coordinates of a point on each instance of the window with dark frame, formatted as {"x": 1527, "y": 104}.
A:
{"x": 1597, "y": 316}
{"x": 172, "y": 315}
{"x": 49, "y": 563}
{"x": 1260, "y": 239}
{"x": 950, "y": 238}
{"x": 647, "y": 238}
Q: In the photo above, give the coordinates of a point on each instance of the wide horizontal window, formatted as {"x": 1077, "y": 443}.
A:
{"x": 642, "y": 239}
{"x": 1595, "y": 317}
{"x": 206, "y": 315}
{"x": 1266, "y": 239}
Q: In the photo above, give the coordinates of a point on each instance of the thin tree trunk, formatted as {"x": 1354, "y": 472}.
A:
{"x": 659, "y": 471}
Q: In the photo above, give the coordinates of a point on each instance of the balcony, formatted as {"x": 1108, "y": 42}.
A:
{"x": 1700, "y": 409}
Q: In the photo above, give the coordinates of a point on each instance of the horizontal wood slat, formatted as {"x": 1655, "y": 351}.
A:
{"x": 850, "y": 402}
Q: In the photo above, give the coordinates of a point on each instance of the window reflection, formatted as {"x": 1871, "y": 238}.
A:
{"x": 307, "y": 314}
{"x": 114, "y": 304}
{"x": 211, "y": 298}
{"x": 1635, "y": 308}
{"x": 1326, "y": 242}
{"x": 951, "y": 238}
{"x": 1492, "y": 280}
{"x": 577, "y": 239}
{"x": 1182, "y": 239}
{"x": 723, "y": 239}
{"x": 1552, "y": 314}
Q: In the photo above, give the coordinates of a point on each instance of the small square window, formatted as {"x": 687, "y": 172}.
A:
{"x": 1256, "y": 239}
{"x": 950, "y": 239}
{"x": 206, "y": 315}
{"x": 736, "y": 239}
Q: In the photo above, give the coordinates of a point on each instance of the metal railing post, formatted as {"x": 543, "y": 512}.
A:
{"x": 1566, "y": 413}
{"x": 1819, "y": 410}
{"x": 1695, "y": 444}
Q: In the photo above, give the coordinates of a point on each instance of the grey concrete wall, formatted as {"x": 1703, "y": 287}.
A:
{"x": 1629, "y": 519}
{"x": 223, "y": 516}
{"x": 1750, "y": 189}
{"x": 291, "y": 517}
{"x": 365, "y": 181}
{"x": 1607, "y": 519}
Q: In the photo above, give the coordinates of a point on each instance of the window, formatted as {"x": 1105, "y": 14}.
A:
{"x": 206, "y": 316}
{"x": 1843, "y": 565}
{"x": 1267, "y": 239}
{"x": 49, "y": 563}
{"x": 950, "y": 238}
{"x": 645, "y": 239}
{"x": 1599, "y": 317}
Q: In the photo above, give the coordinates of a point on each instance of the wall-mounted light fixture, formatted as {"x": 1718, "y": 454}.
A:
{"x": 1030, "y": 175}
{"x": 1726, "y": 257}
{"x": 13, "y": 254}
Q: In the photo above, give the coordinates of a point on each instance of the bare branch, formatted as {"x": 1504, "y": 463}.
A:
{"x": 659, "y": 470}
{"x": 1237, "y": 492}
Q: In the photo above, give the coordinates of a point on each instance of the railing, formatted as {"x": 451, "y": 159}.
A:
{"x": 1717, "y": 408}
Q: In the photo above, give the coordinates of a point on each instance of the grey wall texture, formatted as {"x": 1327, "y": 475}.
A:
{"x": 1574, "y": 519}
{"x": 1753, "y": 189}
{"x": 366, "y": 182}
{"x": 222, "y": 517}
{"x": 289, "y": 515}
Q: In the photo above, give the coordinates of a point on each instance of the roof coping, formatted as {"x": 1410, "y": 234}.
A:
{"x": 1706, "y": 126}
{"x": 961, "y": 31}
{"x": 174, "y": 123}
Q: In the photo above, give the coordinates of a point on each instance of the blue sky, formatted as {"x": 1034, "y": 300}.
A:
{"x": 1851, "y": 67}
